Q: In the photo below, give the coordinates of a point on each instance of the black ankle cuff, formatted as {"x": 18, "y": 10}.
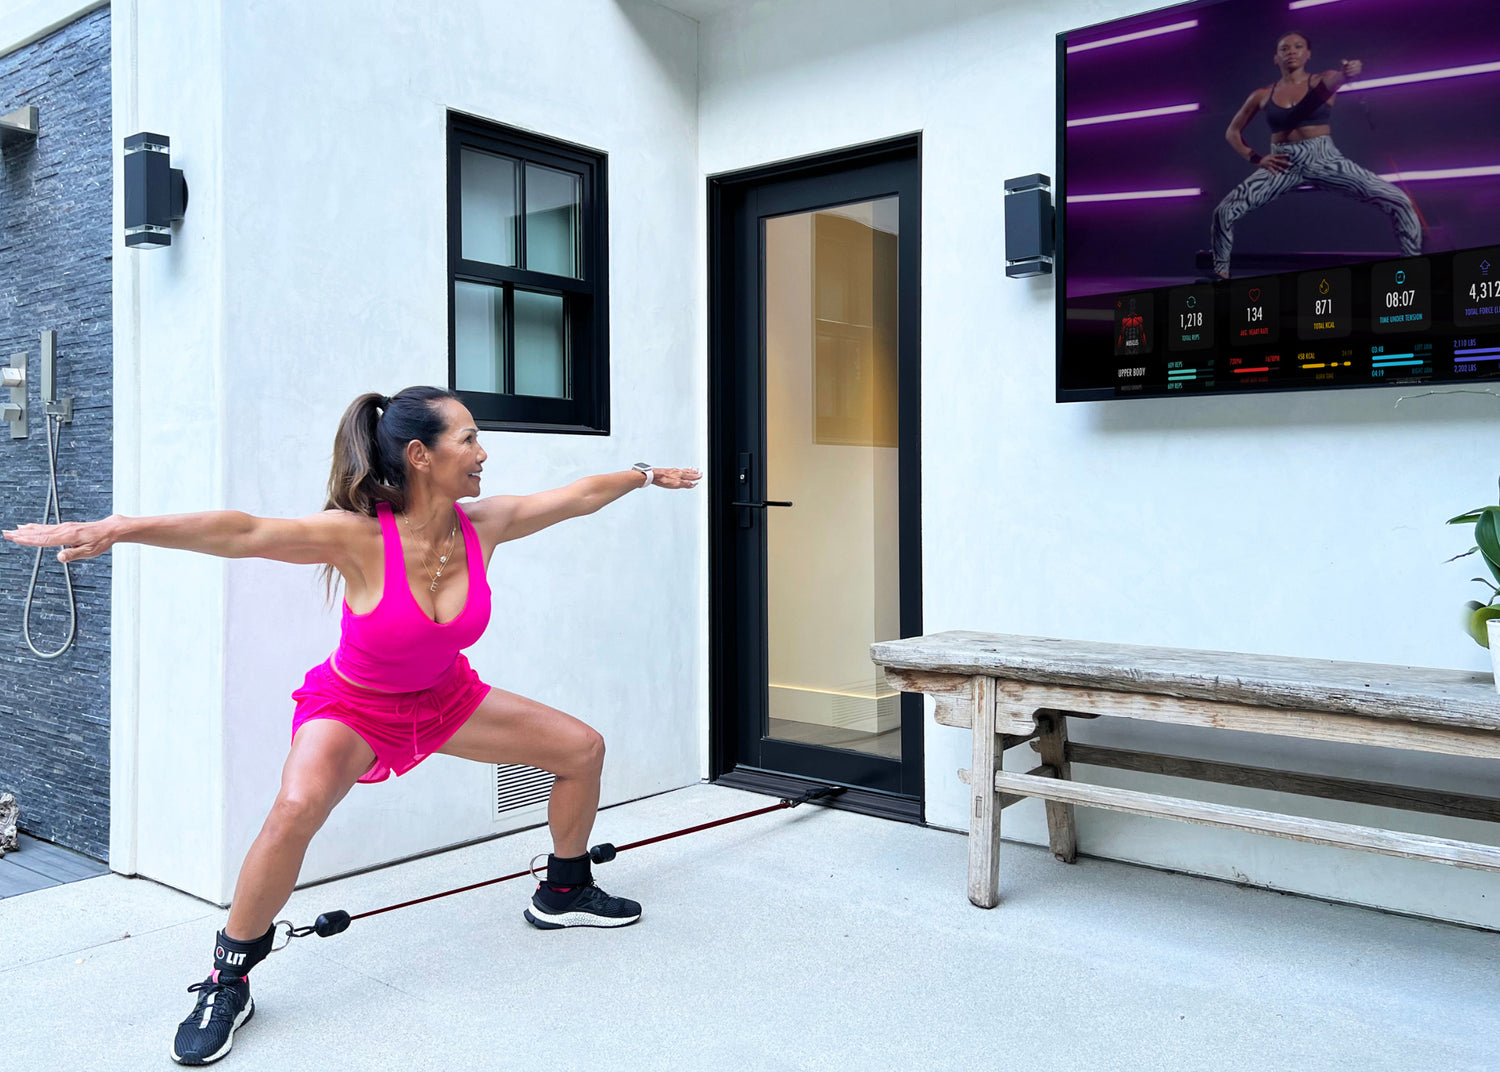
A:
{"x": 569, "y": 871}
{"x": 234, "y": 958}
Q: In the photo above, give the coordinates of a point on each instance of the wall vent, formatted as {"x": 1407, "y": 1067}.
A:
{"x": 519, "y": 786}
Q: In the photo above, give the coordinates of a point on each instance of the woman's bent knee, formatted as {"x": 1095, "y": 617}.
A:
{"x": 297, "y": 815}
{"x": 587, "y": 758}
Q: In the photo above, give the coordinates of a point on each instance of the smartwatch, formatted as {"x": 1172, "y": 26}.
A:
{"x": 642, "y": 467}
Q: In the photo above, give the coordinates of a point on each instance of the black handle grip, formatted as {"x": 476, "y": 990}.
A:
{"x": 331, "y": 923}
{"x": 759, "y": 506}
{"x": 602, "y": 853}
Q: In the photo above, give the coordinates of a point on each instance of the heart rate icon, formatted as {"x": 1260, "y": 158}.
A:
{"x": 1255, "y": 294}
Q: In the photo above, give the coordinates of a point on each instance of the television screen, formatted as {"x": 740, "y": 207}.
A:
{"x": 1279, "y": 194}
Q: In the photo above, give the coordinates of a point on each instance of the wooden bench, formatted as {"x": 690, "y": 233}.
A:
{"x": 1010, "y": 690}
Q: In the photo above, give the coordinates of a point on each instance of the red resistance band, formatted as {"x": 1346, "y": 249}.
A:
{"x": 331, "y": 923}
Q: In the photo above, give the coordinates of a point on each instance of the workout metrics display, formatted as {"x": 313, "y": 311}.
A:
{"x": 1406, "y": 320}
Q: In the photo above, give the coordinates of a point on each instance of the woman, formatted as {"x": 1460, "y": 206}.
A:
{"x": 1298, "y": 107}
{"x": 398, "y": 688}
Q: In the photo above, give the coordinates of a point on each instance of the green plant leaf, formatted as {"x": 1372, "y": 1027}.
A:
{"x": 1476, "y": 623}
{"x": 1466, "y": 519}
{"x": 1466, "y": 554}
{"x": 1487, "y": 536}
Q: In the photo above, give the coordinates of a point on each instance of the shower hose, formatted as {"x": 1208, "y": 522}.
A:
{"x": 52, "y": 506}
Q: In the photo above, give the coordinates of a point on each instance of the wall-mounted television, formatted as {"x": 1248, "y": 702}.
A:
{"x": 1261, "y": 195}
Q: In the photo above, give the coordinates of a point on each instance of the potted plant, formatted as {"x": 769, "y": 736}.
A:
{"x": 1480, "y": 618}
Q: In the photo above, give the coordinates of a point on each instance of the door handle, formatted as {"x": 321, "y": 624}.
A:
{"x": 760, "y": 506}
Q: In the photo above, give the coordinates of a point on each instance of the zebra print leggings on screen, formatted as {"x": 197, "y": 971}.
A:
{"x": 1317, "y": 162}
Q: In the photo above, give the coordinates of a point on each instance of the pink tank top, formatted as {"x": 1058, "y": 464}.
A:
{"x": 396, "y": 647}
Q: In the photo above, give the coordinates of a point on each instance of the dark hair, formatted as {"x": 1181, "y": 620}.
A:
{"x": 369, "y": 451}
{"x": 1294, "y": 33}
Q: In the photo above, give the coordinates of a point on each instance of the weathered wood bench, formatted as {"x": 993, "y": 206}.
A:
{"x": 1010, "y": 690}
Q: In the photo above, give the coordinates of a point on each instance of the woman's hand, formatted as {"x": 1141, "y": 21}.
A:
{"x": 1275, "y": 163}
{"x": 1350, "y": 68}
{"x": 78, "y": 539}
{"x": 675, "y": 478}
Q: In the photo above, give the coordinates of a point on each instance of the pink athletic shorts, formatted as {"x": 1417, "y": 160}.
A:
{"x": 403, "y": 728}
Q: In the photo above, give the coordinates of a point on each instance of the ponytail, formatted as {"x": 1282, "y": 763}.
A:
{"x": 369, "y": 451}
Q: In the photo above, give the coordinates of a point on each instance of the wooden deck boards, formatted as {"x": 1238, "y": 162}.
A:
{"x": 40, "y": 864}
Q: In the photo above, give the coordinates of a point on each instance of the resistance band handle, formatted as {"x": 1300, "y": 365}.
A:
{"x": 603, "y": 853}
{"x": 331, "y": 923}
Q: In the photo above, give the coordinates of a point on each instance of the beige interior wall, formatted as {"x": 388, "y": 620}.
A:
{"x": 832, "y": 557}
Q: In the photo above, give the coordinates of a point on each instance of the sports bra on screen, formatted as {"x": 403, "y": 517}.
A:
{"x": 1314, "y": 109}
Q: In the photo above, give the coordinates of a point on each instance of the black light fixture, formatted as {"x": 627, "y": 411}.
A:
{"x": 1028, "y": 226}
{"x": 155, "y": 192}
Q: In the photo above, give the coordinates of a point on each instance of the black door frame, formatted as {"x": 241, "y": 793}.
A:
{"x": 729, "y": 313}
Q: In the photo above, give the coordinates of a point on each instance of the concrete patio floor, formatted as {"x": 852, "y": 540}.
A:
{"x": 810, "y": 939}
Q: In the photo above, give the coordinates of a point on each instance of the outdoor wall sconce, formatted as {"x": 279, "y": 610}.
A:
{"x": 156, "y": 193}
{"x": 1028, "y": 226}
{"x": 18, "y": 127}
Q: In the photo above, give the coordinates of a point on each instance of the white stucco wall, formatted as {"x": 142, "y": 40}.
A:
{"x": 167, "y": 618}
{"x": 1306, "y": 524}
{"x": 311, "y": 267}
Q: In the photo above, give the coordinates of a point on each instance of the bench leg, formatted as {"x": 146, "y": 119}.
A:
{"x": 984, "y": 815}
{"x": 1052, "y": 744}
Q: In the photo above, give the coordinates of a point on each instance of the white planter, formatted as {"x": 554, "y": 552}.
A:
{"x": 1493, "y": 625}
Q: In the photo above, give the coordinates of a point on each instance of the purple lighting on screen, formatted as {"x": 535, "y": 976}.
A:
{"x": 1295, "y": 4}
{"x": 1420, "y": 76}
{"x": 1144, "y": 113}
{"x": 1443, "y": 173}
{"x": 1135, "y": 195}
{"x": 1188, "y": 25}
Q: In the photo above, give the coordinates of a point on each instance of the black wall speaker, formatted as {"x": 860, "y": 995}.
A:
{"x": 1028, "y": 226}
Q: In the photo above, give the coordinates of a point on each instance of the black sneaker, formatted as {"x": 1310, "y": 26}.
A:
{"x": 580, "y": 906}
{"x": 206, "y": 1035}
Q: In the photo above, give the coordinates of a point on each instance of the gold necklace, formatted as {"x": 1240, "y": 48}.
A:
{"x": 442, "y": 560}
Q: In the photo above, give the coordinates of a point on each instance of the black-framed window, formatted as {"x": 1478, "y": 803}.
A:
{"x": 528, "y": 296}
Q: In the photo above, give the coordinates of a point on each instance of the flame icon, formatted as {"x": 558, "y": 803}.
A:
{"x": 1323, "y": 286}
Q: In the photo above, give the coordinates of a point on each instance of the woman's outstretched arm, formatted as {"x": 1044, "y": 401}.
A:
{"x": 317, "y": 538}
{"x": 1332, "y": 80}
{"x": 510, "y": 517}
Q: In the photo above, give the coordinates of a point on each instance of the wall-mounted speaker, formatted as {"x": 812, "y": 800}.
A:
{"x": 1028, "y": 226}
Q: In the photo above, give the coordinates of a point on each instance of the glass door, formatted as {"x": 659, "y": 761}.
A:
{"x": 819, "y": 536}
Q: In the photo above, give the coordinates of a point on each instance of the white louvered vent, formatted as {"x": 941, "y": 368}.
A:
{"x": 519, "y": 786}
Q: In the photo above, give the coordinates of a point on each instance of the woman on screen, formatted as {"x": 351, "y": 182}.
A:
{"x": 1298, "y": 107}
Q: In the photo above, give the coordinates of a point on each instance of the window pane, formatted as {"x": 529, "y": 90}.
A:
{"x": 479, "y": 337}
{"x": 551, "y": 221}
{"x": 488, "y": 210}
{"x": 541, "y": 345}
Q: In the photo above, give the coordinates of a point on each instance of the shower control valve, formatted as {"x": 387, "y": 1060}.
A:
{"x": 15, "y": 410}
